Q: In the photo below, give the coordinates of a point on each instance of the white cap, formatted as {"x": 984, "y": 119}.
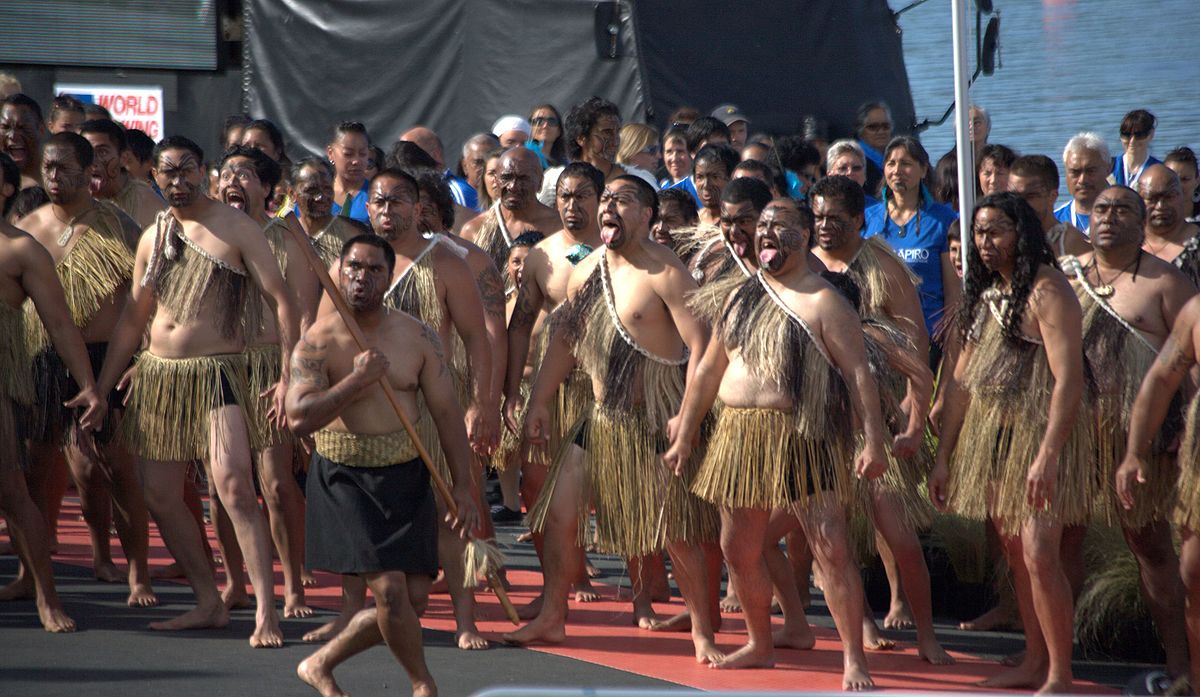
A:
{"x": 511, "y": 122}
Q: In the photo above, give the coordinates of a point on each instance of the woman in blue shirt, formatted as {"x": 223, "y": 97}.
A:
{"x": 915, "y": 225}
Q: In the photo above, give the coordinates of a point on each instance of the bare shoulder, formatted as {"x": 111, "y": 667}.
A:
{"x": 449, "y": 261}
{"x": 20, "y": 246}
{"x": 583, "y": 270}
{"x": 471, "y": 229}
{"x": 36, "y": 221}
{"x": 1166, "y": 276}
{"x": 1052, "y": 292}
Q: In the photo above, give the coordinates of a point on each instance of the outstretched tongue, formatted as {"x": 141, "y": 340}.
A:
{"x": 766, "y": 256}
{"x": 607, "y": 233}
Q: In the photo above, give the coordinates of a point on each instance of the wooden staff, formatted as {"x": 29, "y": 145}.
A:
{"x": 318, "y": 268}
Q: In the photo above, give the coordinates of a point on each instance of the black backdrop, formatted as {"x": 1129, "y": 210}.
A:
{"x": 456, "y": 65}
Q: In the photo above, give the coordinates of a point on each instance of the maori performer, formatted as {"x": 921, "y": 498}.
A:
{"x": 1169, "y": 235}
{"x": 311, "y": 188}
{"x": 627, "y": 326}
{"x": 891, "y": 313}
{"x": 27, "y": 272}
{"x": 371, "y": 510}
{"x": 426, "y": 271}
{"x": 784, "y": 437}
{"x": 247, "y": 178}
{"x": 543, "y": 288}
{"x": 517, "y": 209}
{"x": 111, "y": 181}
{"x": 92, "y": 243}
{"x": 1130, "y": 301}
{"x": 198, "y": 276}
{"x": 1013, "y": 448}
{"x": 1153, "y": 406}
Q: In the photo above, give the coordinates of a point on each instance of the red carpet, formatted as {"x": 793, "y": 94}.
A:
{"x": 602, "y": 633}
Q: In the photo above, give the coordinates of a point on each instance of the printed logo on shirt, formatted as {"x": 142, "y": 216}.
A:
{"x": 912, "y": 256}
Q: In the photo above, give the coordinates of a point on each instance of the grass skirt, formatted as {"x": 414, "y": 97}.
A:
{"x": 263, "y": 369}
{"x": 757, "y": 458}
{"x": 171, "y": 401}
{"x": 1010, "y": 386}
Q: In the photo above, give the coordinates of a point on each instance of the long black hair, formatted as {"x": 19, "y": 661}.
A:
{"x": 1032, "y": 252}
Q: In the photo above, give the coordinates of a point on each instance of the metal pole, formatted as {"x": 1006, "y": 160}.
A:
{"x": 962, "y": 137}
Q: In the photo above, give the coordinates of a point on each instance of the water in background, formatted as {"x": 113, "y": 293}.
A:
{"x": 1068, "y": 66}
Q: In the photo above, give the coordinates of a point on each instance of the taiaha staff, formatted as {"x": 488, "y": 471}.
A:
{"x": 481, "y": 557}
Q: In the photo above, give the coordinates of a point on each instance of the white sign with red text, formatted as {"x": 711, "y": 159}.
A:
{"x": 138, "y": 107}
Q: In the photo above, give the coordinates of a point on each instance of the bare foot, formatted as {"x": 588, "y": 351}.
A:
{"x": 424, "y": 689}
{"x": 141, "y": 595}
{"x": 328, "y": 630}
{"x": 586, "y": 593}
{"x": 873, "y": 641}
{"x": 312, "y": 671}
{"x": 235, "y": 597}
{"x": 730, "y": 603}
{"x": 530, "y": 610}
{"x": 20, "y": 589}
{"x": 749, "y": 656}
{"x": 643, "y": 615}
{"x": 857, "y": 679}
{"x": 1055, "y": 687}
{"x": 470, "y": 640}
{"x": 307, "y": 580}
{"x": 679, "y": 623}
{"x": 196, "y": 618}
{"x": 440, "y": 585}
{"x": 172, "y": 570}
{"x": 1022, "y": 676}
{"x": 933, "y": 652}
{"x": 899, "y": 617}
{"x": 107, "y": 572}
{"x": 294, "y": 606}
{"x": 994, "y": 619}
{"x": 805, "y": 594}
{"x": 55, "y": 619}
{"x": 267, "y": 634}
{"x": 590, "y": 568}
{"x": 801, "y": 638}
{"x": 1013, "y": 659}
{"x": 539, "y": 631}
{"x": 525, "y": 537}
{"x": 707, "y": 651}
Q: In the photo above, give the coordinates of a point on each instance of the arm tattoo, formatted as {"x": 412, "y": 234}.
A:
{"x": 1174, "y": 358}
{"x": 308, "y": 366}
{"x": 524, "y": 313}
{"x": 491, "y": 290}
{"x": 431, "y": 336}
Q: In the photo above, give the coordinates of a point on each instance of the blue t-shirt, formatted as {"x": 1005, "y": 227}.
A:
{"x": 358, "y": 206}
{"x": 687, "y": 185}
{"x": 1066, "y": 214}
{"x": 921, "y": 244}
{"x": 463, "y": 193}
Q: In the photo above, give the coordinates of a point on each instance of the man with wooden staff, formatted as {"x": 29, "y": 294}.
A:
{"x": 371, "y": 510}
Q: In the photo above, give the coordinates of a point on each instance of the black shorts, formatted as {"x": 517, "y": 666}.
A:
{"x": 361, "y": 520}
{"x": 53, "y": 385}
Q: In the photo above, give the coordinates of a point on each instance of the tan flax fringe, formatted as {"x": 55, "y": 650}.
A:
{"x": 1187, "y": 510}
{"x": 415, "y": 292}
{"x": 866, "y": 270}
{"x": 1010, "y": 384}
{"x": 329, "y": 241}
{"x": 365, "y": 450}
{"x": 263, "y": 370}
{"x": 186, "y": 278}
{"x": 491, "y": 238}
{"x": 536, "y": 518}
{"x": 96, "y": 267}
{"x": 510, "y": 442}
{"x": 757, "y": 458}
{"x": 640, "y": 504}
{"x": 171, "y": 402}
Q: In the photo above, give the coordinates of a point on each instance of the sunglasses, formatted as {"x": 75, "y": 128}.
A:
{"x": 1135, "y": 134}
{"x": 544, "y": 121}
